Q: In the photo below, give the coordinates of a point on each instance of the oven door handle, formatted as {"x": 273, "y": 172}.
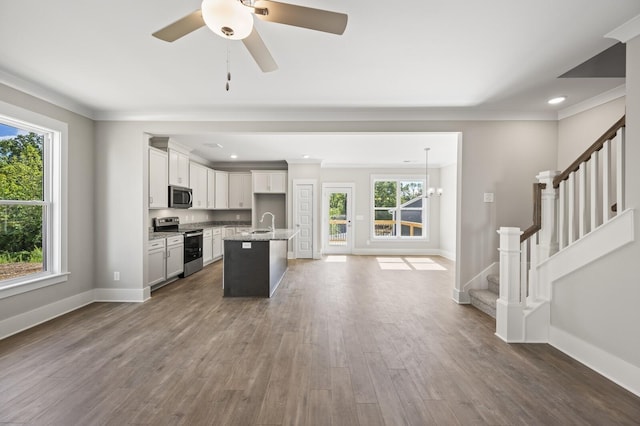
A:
{"x": 195, "y": 234}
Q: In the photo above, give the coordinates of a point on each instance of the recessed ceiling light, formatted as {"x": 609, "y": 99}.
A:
{"x": 305, "y": 156}
{"x": 234, "y": 156}
{"x": 557, "y": 100}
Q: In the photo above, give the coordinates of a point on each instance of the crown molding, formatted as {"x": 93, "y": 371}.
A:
{"x": 45, "y": 94}
{"x": 626, "y": 31}
{"x": 591, "y": 103}
{"x": 336, "y": 114}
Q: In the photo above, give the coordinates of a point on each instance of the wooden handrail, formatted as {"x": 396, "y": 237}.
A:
{"x": 597, "y": 146}
{"x": 537, "y": 212}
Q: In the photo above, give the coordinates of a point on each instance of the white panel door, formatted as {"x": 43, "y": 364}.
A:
{"x": 303, "y": 210}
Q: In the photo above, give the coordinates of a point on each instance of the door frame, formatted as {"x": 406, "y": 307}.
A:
{"x": 314, "y": 214}
{"x": 350, "y": 215}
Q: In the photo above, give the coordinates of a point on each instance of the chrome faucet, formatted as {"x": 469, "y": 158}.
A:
{"x": 273, "y": 220}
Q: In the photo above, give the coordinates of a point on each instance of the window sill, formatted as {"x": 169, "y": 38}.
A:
{"x": 24, "y": 285}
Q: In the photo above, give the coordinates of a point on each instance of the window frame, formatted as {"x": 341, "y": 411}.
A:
{"x": 425, "y": 209}
{"x": 54, "y": 199}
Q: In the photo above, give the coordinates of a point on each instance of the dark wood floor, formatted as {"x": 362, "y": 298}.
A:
{"x": 353, "y": 341}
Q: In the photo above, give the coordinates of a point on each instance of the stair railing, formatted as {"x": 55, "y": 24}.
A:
{"x": 586, "y": 199}
{"x": 566, "y": 207}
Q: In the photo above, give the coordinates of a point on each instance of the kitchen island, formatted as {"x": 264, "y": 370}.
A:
{"x": 255, "y": 262}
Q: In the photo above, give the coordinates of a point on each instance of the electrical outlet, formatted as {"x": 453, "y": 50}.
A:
{"x": 237, "y": 217}
{"x": 116, "y": 276}
{"x": 488, "y": 197}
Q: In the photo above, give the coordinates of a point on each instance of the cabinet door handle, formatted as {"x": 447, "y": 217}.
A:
{"x": 150, "y": 200}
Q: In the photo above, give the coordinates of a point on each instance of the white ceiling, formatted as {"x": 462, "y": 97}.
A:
{"x": 414, "y": 57}
{"x": 331, "y": 149}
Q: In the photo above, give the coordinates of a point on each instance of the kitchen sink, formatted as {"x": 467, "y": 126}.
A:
{"x": 260, "y": 231}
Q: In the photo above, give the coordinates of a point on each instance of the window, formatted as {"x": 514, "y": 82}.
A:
{"x": 398, "y": 208}
{"x": 31, "y": 249}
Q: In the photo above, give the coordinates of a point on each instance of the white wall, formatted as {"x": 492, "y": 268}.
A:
{"x": 579, "y": 132}
{"x": 81, "y": 210}
{"x": 448, "y": 211}
{"x": 363, "y": 242}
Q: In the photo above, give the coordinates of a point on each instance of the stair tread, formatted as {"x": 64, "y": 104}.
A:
{"x": 487, "y": 297}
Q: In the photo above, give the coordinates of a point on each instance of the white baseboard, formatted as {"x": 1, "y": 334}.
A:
{"x": 461, "y": 297}
{"x": 122, "y": 294}
{"x": 396, "y": 252}
{"x": 448, "y": 255}
{"x": 613, "y": 368}
{"x": 21, "y": 322}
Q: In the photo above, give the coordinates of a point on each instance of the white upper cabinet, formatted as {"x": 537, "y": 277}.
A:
{"x": 211, "y": 189}
{"x": 222, "y": 190}
{"x": 158, "y": 179}
{"x": 198, "y": 179}
{"x": 178, "y": 168}
{"x": 269, "y": 182}
{"x": 240, "y": 193}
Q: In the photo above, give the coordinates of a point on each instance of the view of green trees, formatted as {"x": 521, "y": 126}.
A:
{"x": 387, "y": 202}
{"x": 21, "y": 174}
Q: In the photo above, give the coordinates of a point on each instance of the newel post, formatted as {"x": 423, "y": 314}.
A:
{"x": 548, "y": 235}
{"x": 509, "y": 307}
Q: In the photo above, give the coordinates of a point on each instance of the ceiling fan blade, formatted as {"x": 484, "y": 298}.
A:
{"x": 181, "y": 27}
{"x": 259, "y": 51}
{"x": 300, "y": 16}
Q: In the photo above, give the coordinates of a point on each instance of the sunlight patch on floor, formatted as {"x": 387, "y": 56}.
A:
{"x": 398, "y": 263}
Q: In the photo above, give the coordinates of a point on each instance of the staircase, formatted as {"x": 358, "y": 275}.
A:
{"x": 485, "y": 299}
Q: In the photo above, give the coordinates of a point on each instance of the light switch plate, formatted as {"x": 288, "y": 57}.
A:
{"x": 488, "y": 197}
{"x": 246, "y": 245}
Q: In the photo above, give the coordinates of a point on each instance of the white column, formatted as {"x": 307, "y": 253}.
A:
{"x": 548, "y": 235}
{"x": 509, "y": 310}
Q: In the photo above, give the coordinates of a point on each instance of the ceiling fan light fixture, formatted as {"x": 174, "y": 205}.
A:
{"x": 227, "y": 18}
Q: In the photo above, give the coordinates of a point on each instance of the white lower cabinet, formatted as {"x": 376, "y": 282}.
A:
{"x": 175, "y": 256}
{"x": 217, "y": 243}
{"x": 157, "y": 267}
{"x": 165, "y": 259}
{"x": 207, "y": 246}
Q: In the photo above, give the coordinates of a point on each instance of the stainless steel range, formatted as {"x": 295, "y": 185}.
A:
{"x": 192, "y": 242}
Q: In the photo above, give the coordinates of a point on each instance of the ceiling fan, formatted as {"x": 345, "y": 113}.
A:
{"x": 233, "y": 19}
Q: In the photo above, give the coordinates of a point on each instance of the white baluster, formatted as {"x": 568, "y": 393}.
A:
{"x": 620, "y": 186}
{"x": 571, "y": 229}
{"x": 524, "y": 270}
{"x": 594, "y": 191}
{"x": 562, "y": 222}
{"x": 582, "y": 200}
{"x": 532, "y": 293}
{"x": 606, "y": 175}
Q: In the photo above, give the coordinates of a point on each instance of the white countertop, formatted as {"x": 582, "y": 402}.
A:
{"x": 278, "y": 234}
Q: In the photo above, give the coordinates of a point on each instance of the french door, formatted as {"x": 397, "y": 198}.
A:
{"x": 337, "y": 229}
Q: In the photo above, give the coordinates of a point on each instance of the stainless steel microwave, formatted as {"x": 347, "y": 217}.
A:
{"x": 180, "y": 197}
